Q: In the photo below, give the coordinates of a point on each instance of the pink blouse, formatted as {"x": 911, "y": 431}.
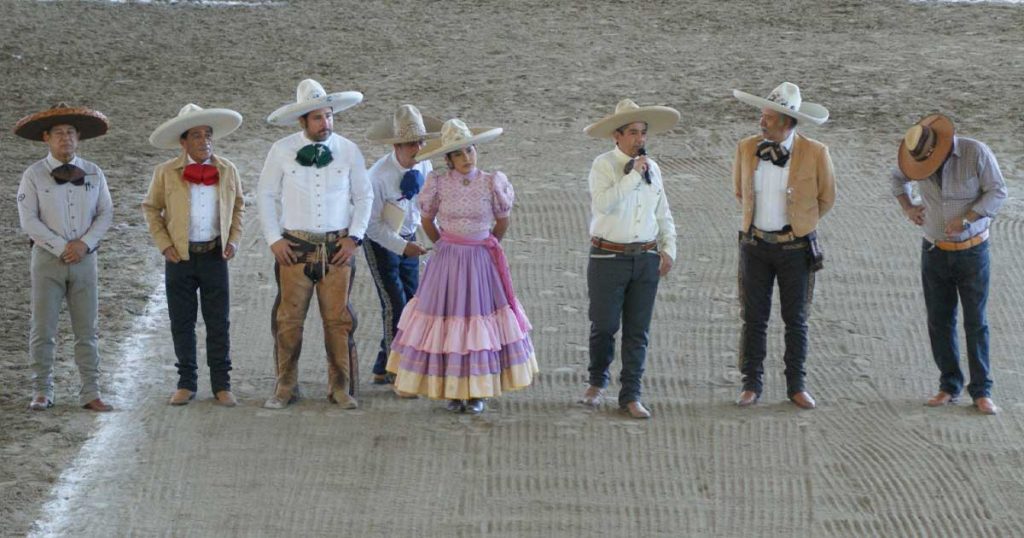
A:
{"x": 466, "y": 204}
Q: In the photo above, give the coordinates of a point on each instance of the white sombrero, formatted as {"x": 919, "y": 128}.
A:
{"x": 406, "y": 125}
{"x": 222, "y": 120}
{"x": 658, "y": 118}
{"x": 456, "y": 135}
{"x": 785, "y": 99}
{"x": 310, "y": 96}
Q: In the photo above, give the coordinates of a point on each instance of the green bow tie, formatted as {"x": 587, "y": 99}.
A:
{"x": 314, "y": 154}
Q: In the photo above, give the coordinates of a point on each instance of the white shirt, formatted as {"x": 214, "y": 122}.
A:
{"x": 625, "y": 209}
{"x": 204, "y": 213}
{"x": 771, "y": 191}
{"x": 52, "y": 214}
{"x": 386, "y": 177}
{"x": 311, "y": 199}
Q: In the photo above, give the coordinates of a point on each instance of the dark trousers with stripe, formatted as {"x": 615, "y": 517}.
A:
{"x": 396, "y": 278}
{"x": 207, "y": 274}
{"x": 622, "y": 289}
{"x": 760, "y": 265}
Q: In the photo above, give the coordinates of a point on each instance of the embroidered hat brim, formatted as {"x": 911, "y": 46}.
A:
{"x": 338, "y": 101}
{"x": 89, "y": 123}
{"x": 223, "y": 121}
{"x": 659, "y": 119}
{"x": 811, "y": 112}
{"x": 383, "y": 131}
{"x": 918, "y": 170}
{"x": 437, "y": 146}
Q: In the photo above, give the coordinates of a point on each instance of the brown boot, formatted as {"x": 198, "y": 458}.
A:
{"x": 225, "y": 398}
{"x": 181, "y": 397}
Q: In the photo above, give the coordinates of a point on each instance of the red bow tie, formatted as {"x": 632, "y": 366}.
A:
{"x": 201, "y": 174}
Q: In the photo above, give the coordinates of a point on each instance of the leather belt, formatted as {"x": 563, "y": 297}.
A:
{"x": 623, "y": 248}
{"x": 317, "y": 237}
{"x": 202, "y": 247}
{"x": 953, "y": 246}
{"x": 774, "y": 237}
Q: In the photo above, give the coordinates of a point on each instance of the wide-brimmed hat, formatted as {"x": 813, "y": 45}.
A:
{"x": 310, "y": 96}
{"x": 456, "y": 135}
{"x": 785, "y": 99}
{"x": 925, "y": 146}
{"x": 406, "y": 125}
{"x": 222, "y": 120}
{"x": 658, "y": 118}
{"x": 89, "y": 123}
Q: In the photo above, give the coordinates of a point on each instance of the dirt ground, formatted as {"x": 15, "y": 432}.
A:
{"x": 870, "y": 461}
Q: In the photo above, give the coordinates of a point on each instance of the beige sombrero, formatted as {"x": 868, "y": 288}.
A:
{"x": 406, "y": 125}
{"x": 222, "y": 120}
{"x": 456, "y": 135}
{"x": 310, "y": 96}
{"x": 658, "y": 118}
{"x": 89, "y": 123}
{"x": 785, "y": 99}
{"x": 925, "y": 146}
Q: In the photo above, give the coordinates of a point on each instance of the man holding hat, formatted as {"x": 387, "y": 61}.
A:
{"x": 633, "y": 244}
{"x": 785, "y": 184}
{"x": 962, "y": 190}
{"x": 65, "y": 209}
{"x": 194, "y": 209}
{"x": 391, "y": 249}
{"x": 314, "y": 202}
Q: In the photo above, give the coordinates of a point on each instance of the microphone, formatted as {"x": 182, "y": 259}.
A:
{"x": 647, "y": 173}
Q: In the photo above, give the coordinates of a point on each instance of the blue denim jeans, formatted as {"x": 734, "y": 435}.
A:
{"x": 622, "y": 288}
{"x": 761, "y": 264}
{"x": 947, "y": 276}
{"x": 396, "y": 278}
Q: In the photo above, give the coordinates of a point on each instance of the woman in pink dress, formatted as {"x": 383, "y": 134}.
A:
{"x": 464, "y": 337}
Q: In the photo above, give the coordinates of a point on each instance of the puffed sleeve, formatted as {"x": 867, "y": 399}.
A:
{"x": 429, "y": 198}
{"x": 502, "y": 196}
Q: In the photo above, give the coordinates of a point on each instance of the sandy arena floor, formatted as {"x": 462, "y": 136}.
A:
{"x": 871, "y": 461}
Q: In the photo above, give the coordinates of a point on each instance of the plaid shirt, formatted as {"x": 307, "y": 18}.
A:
{"x": 969, "y": 180}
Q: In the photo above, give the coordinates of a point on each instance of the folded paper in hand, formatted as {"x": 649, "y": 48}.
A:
{"x": 393, "y": 215}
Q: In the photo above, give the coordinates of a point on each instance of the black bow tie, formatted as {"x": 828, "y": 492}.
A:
{"x": 774, "y": 152}
{"x": 66, "y": 173}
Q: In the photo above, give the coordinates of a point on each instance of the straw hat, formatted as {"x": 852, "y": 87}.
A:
{"x": 658, "y": 118}
{"x": 406, "y": 125}
{"x": 456, "y": 135}
{"x": 89, "y": 123}
{"x": 223, "y": 122}
{"x": 310, "y": 96}
{"x": 785, "y": 99}
{"x": 925, "y": 146}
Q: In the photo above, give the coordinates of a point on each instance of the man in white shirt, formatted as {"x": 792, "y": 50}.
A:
{"x": 785, "y": 184}
{"x": 194, "y": 209}
{"x": 314, "y": 202}
{"x": 65, "y": 209}
{"x": 633, "y": 245}
{"x": 392, "y": 252}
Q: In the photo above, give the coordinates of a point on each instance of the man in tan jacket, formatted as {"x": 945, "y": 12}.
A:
{"x": 785, "y": 183}
{"x": 194, "y": 209}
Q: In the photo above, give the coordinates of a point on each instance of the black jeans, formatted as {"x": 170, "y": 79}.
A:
{"x": 206, "y": 273}
{"x": 761, "y": 263}
{"x": 396, "y": 278}
{"x": 621, "y": 288}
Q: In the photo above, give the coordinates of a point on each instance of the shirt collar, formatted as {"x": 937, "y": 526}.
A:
{"x": 621, "y": 155}
{"x": 956, "y": 146}
{"x": 398, "y": 165}
{"x": 54, "y": 162}
{"x": 189, "y": 160}
{"x": 788, "y": 142}
{"x": 307, "y": 140}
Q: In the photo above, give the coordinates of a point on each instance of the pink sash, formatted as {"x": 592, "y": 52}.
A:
{"x": 500, "y": 263}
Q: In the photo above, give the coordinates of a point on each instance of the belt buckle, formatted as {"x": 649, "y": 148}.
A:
{"x": 632, "y": 249}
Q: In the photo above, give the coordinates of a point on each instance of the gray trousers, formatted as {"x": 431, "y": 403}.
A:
{"x": 53, "y": 281}
{"x": 622, "y": 289}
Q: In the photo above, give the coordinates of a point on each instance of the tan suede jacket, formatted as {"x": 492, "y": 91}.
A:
{"x": 811, "y": 185}
{"x": 169, "y": 201}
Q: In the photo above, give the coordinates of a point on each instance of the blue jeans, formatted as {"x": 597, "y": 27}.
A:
{"x": 207, "y": 274}
{"x": 396, "y": 278}
{"x": 621, "y": 288}
{"x": 945, "y": 275}
{"x": 760, "y": 265}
